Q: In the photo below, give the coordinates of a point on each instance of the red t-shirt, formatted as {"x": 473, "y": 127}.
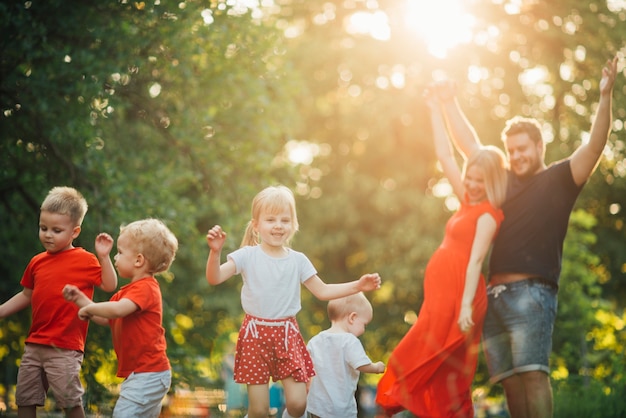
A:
{"x": 55, "y": 321}
{"x": 139, "y": 338}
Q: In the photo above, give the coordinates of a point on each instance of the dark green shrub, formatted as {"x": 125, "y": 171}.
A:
{"x": 579, "y": 396}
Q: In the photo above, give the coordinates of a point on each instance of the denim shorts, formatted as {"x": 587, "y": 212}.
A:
{"x": 517, "y": 333}
{"x": 141, "y": 395}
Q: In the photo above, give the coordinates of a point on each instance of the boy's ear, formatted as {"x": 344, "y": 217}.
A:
{"x": 352, "y": 317}
{"x": 76, "y": 232}
{"x": 140, "y": 260}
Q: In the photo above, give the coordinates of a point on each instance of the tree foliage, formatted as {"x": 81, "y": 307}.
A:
{"x": 381, "y": 150}
{"x": 173, "y": 111}
{"x": 184, "y": 110}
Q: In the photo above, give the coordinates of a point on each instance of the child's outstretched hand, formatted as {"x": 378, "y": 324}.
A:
{"x": 73, "y": 294}
{"x": 83, "y": 314}
{"x": 216, "y": 238}
{"x": 70, "y": 292}
{"x": 104, "y": 244}
{"x": 379, "y": 367}
{"x": 369, "y": 282}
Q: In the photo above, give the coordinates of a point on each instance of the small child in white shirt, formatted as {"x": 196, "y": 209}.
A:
{"x": 339, "y": 357}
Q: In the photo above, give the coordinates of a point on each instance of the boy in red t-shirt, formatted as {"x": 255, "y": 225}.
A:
{"x": 55, "y": 344}
{"x": 134, "y": 313}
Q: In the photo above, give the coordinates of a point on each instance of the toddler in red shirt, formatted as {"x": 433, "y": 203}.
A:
{"x": 55, "y": 344}
{"x": 144, "y": 249}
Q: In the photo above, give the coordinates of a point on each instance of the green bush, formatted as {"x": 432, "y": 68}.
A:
{"x": 578, "y": 396}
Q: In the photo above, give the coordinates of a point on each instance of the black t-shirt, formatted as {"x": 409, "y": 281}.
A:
{"x": 536, "y": 216}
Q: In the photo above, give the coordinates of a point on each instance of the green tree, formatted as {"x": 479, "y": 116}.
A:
{"x": 374, "y": 139}
{"x": 173, "y": 111}
{"x": 184, "y": 110}
{"x": 579, "y": 298}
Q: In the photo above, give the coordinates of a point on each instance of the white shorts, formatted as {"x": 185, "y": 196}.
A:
{"x": 142, "y": 394}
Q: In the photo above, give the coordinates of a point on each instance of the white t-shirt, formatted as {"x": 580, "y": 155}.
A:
{"x": 336, "y": 357}
{"x": 271, "y": 286}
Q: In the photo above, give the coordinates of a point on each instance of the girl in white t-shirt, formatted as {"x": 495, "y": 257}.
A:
{"x": 269, "y": 342}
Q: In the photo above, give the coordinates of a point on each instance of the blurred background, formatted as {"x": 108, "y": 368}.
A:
{"x": 184, "y": 110}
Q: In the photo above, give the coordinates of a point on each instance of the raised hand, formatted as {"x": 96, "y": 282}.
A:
{"x": 430, "y": 97}
{"x": 609, "y": 73}
{"x": 445, "y": 90}
{"x": 216, "y": 238}
{"x": 104, "y": 244}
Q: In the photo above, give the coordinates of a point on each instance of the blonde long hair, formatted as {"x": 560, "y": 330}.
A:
{"x": 493, "y": 163}
{"x": 272, "y": 199}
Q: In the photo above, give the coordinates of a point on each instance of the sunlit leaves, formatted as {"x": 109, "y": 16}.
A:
{"x": 184, "y": 110}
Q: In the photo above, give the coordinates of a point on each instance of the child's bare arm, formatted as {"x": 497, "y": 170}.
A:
{"x": 378, "y": 367}
{"x": 217, "y": 273}
{"x": 324, "y": 291}
{"x": 104, "y": 245}
{"x": 73, "y": 294}
{"x": 101, "y": 312}
{"x": 18, "y": 302}
{"x": 108, "y": 310}
{"x": 98, "y": 320}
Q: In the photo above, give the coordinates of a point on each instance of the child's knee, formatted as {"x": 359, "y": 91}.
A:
{"x": 258, "y": 410}
{"x": 296, "y": 407}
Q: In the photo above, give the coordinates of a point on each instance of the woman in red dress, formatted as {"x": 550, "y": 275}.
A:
{"x": 431, "y": 370}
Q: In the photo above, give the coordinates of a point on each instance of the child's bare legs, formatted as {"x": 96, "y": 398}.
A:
{"x": 31, "y": 412}
{"x": 27, "y": 412}
{"x": 295, "y": 397}
{"x": 258, "y": 401}
{"x": 75, "y": 412}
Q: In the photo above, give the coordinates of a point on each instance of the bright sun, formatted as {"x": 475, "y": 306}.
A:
{"x": 442, "y": 24}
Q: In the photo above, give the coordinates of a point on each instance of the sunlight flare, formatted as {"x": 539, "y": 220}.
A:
{"x": 441, "y": 24}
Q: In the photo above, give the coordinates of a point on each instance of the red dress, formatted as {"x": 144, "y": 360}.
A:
{"x": 431, "y": 370}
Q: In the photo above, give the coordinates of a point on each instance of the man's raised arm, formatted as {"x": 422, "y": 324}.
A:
{"x": 586, "y": 157}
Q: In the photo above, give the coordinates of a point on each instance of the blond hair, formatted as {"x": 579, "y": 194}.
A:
{"x": 152, "y": 239}
{"x": 68, "y": 201}
{"x": 273, "y": 199}
{"x": 342, "y": 307}
{"x": 493, "y": 163}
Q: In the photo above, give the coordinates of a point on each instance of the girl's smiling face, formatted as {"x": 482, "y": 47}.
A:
{"x": 474, "y": 184}
{"x": 275, "y": 228}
